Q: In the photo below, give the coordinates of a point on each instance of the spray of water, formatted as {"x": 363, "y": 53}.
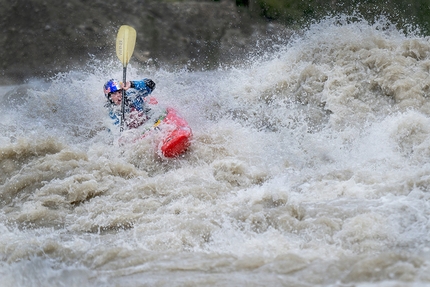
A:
{"x": 310, "y": 162}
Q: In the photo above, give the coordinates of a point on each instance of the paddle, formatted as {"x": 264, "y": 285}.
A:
{"x": 125, "y": 41}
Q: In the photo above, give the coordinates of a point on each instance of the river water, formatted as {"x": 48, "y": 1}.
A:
{"x": 309, "y": 166}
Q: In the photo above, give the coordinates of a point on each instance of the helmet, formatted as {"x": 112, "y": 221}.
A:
{"x": 113, "y": 85}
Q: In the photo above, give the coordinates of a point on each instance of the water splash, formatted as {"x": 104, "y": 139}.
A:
{"x": 310, "y": 162}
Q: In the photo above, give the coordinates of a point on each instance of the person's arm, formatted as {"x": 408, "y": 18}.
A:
{"x": 141, "y": 89}
{"x": 146, "y": 85}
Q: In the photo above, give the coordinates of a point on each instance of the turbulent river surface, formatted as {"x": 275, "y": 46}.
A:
{"x": 309, "y": 166}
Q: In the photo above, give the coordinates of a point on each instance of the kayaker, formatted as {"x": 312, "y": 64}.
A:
{"x": 135, "y": 109}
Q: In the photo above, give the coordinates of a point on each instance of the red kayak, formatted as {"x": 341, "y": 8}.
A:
{"x": 178, "y": 136}
{"x": 171, "y": 132}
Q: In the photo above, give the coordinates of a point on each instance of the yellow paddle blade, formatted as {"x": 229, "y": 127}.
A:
{"x": 125, "y": 41}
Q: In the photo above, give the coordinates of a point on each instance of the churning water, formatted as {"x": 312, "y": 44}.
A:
{"x": 310, "y": 166}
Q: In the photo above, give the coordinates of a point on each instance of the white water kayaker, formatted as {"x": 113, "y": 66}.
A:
{"x": 135, "y": 108}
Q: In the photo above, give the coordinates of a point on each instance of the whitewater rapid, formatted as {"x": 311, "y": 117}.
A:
{"x": 309, "y": 166}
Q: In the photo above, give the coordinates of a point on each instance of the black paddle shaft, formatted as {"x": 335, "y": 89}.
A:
{"x": 124, "y": 72}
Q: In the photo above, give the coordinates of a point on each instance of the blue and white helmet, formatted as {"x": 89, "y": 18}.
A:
{"x": 113, "y": 85}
